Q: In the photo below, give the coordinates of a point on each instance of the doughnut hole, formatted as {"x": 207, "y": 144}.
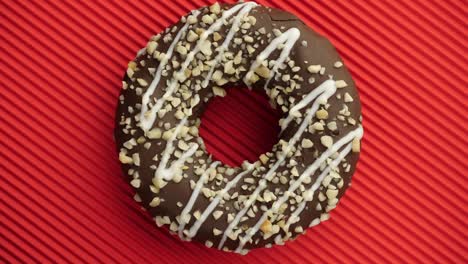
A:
{"x": 239, "y": 126}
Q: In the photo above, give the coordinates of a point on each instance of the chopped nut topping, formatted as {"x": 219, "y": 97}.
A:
{"x": 348, "y": 98}
{"x": 332, "y": 126}
{"x": 307, "y": 143}
{"x": 217, "y": 214}
{"x": 192, "y": 36}
{"x": 356, "y": 145}
{"x": 294, "y": 171}
{"x": 263, "y": 71}
{"x": 208, "y": 243}
{"x": 331, "y": 194}
{"x": 218, "y": 91}
{"x": 217, "y": 232}
{"x": 142, "y": 82}
{"x": 154, "y": 133}
{"x": 215, "y": 8}
{"x": 207, "y": 19}
{"x": 266, "y": 227}
{"x": 205, "y": 48}
{"x": 327, "y": 141}
{"x": 318, "y": 126}
{"x": 179, "y": 114}
{"x": 250, "y": 49}
{"x": 217, "y": 75}
{"x": 338, "y": 64}
{"x": 264, "y": 158}
{"x": 181, "y": 50}
{"x": 229, "y": 68}
{"x": 155, "y": 202}
{"x": 283, "y": 180}
{"x": 298, "y": 229}
{"x": 124, "y": 158}
{"x": 136, "y": 183}
{"x": 322, "y": 114}
{"x": 192, "y": 19}
{"x": 151, "y": 47}
{"x": 324, "y": 217}
{"x": 217, "y": 36}
{"x": 248, "y": 39}
{"x": 340, "y": 84}
{"x": 314, "y": 68}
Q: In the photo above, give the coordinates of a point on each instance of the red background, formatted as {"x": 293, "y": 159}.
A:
{"x": 62, "y": 195}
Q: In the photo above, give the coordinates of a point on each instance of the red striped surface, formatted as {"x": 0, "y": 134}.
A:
{"x": 62, "y": 195}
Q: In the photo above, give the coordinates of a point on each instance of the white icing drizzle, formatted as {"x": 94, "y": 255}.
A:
{"x": 148, "y": 118}
{"x": 145, "y": 99}
{"x": 162, "y": 172}
{"x": 357, "y": 133}
{"x": 327, "y": 91}
{"x": 292, "y": 35}
{"x": 305, "y": 101}
{"x": 289, "y": 38}
{"x": 209, "y": 209}
{"x": 234, "y": 28}
{"x": 194, "y": 196}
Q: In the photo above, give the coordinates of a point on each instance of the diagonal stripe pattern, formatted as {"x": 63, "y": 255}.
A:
{"x": 62, "y": 195}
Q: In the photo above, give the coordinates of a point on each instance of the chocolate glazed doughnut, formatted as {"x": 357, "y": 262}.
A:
{"x": 290, "y": 188}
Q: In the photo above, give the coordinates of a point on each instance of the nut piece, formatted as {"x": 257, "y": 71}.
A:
{"x": 207, "y": 19}
{"x": 217, "y": 214}
{"x": 327, "y": 141}
{"x": 215, "y": 8}
{"x": 155, "y": 202}
{"x": 338, "y": 64}
{"x": 266, "y": 227}
{"x": 314, "y": 68}
{"x": 154, "y": 133}
{"x": 252, "y": 78}
{"x": 332, "y": 126}
{"x": 248, "y": 39}
{"x": 217, "y": 232}
{"x": 142, "y": 82}
{"x": 307, "y": 143}
{"x": 331, "y": 194}
{"x": 263, "y": 71}
{"x": 229, "y": 67}
{"x": 340, "y": 84}
{"x": 205, "y": 48}
{"x": 192, "y": 19}
{"x": 216, "y": 36}
{"x": 181, "y": 50}
{"x": 217, "y": 75}
{"x": 136, "y": 159}
{"x": 264, "y": 158}
{"x": 318, "y": 126}
{"x": 294, "y": 171}
{"x": 136, "y": 183}
{"x": 192, "y": 36}
{"x": 348, "y": 98}
{"x": 322, "y": 114}
{"x": 124, "y": 158}
{"x": 151, "y": 47}
{"x": 218, "y": 91}
{"x": 356, "y": 145}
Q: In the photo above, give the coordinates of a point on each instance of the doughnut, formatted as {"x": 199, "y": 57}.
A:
{"x": 291, "y": 187}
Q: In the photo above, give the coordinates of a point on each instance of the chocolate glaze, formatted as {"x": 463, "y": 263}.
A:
{"x": 310, "y": 49}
